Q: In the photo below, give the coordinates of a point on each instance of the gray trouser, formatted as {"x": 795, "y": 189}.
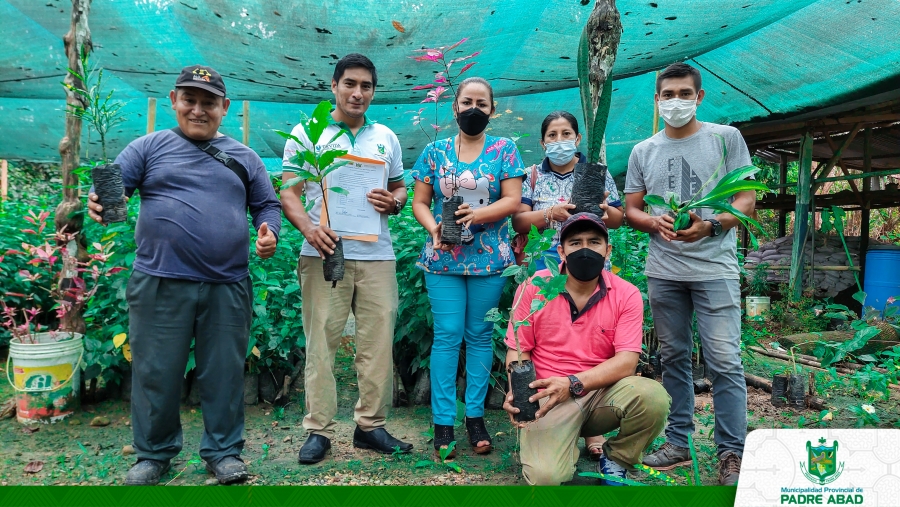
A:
{"x": 718, "y": 307}
{"x": 164, "y": 315}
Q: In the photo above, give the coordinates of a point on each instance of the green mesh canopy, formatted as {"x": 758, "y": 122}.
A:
{"x": 759, "y": 59}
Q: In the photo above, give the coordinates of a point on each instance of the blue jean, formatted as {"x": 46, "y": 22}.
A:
{"x": 718, "y": 307}
{"x": 459, "y": 304}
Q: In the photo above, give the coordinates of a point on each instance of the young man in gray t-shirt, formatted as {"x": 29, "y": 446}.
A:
{"x": 694, "y": 269}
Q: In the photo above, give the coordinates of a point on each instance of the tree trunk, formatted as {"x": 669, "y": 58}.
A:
{"x": 596, "y": 56}
{"x": 68, "y": 220}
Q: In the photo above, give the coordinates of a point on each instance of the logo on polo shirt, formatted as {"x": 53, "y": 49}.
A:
{"x": 381, "y": 149}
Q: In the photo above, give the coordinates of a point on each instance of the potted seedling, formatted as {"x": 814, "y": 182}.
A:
{"x": 789, "y": 385}
{"x": 588, "y": 188}
{"x": 46, "y": 362}
{"x": 757, "y": 300}
{"x": 521, "y": 371}
{"x": 101, "y": 114}
{"x": 717, "y": 199}
{"x": 451, "y": 232}
{"x": 320, "y": 164}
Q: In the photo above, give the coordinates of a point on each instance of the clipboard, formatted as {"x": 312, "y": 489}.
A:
{"x": 371, "y": 238}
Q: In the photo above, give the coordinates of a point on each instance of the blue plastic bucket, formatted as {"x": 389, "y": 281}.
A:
{"x": 882, "y": 275}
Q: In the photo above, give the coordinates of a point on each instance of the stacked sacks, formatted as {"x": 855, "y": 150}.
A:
{"x": 828, "y": 252}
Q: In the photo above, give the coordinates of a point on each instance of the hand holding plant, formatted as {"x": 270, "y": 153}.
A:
{"x": 320, "y": 163}
{"x": 680, "y": 215}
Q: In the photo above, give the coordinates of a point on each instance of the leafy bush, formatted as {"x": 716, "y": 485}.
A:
{"x": 414, "y": 332}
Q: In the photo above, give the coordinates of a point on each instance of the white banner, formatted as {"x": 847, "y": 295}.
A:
{"x": 820, "y": 467}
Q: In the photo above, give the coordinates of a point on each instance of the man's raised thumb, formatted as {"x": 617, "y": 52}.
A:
{"x": 263, "y": 229}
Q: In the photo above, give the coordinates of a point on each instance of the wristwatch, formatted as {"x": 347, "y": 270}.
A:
{"x": 576, "y": 387}
{"x": 398, "y": 206}
{"x": 716, "y": 227}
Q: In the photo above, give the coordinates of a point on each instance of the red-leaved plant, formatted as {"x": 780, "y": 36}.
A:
{"x": 443, "y": 80}
{"x": 22, "y": 321}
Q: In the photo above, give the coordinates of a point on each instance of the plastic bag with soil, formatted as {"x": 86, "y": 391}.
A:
{"x": 451, "y": 232}
{"x": 588, "y": 188}
{"x": 796, "y": 392}
{"x": 779, "y": 390}
{"x": 333, "y": 265}
{"x": 520, "y": 375}
{"x": 107, "y": 180}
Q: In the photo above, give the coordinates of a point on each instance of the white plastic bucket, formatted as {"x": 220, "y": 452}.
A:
{"x": 756, "y": 305}
{"x": 46, "y": 375}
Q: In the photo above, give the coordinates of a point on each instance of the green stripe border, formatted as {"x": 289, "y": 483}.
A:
{"x": 366, "y": 496}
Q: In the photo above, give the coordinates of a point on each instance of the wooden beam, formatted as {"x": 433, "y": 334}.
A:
{"x": 782, "y": 178}
{"x": 886, "y": 172}
{"x": 837, "y": 153}
{"x": 4, "y": 179}
{"x": 819, "y": 125}
{"x": 866, "y": 211}
{"x": 656, "y": 112}
{"x": 151, "y": 114}
{"x": 801, "y": 215}
{"x": 246, "y": 123}
{"x": 844, "y": 170}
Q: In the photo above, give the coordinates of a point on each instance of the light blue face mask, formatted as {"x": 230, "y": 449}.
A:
{"x": 561, "y": 152}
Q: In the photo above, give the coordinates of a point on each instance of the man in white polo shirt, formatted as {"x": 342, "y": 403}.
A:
{"x": 369, "y": 286}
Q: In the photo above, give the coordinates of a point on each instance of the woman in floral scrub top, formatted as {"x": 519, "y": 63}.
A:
{"x": 545, "y": 201}
{"x": 464, "y": 281}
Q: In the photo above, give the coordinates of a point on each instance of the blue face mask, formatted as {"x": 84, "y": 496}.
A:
{"x": 561, "y": 152}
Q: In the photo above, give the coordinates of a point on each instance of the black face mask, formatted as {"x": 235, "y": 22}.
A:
{"x": 472, "y": 121}
{"x": 585, "y": 264}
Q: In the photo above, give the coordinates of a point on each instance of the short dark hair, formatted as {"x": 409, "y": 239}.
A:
{"x": 555, "y": 115}
{"x": 353, "y": 61}
{"x": 583, "y": 226}
{"x": 476, "y": 80}
{"x": 679, "y": 70}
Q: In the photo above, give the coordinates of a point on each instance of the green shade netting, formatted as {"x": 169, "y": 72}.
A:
{"x": 759, "y": 58}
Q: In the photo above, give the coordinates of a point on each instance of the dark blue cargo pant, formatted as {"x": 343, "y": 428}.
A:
{"x": 165, "y": 314}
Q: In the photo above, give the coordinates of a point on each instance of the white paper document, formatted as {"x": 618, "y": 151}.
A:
{"x": 352, "y": 215}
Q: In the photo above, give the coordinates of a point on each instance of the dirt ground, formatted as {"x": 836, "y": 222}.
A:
{"x": 74, "y": 452}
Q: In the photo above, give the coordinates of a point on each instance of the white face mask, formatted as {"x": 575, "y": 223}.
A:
{"x": 560, "y": 152}
{"x": 677, "y": 112}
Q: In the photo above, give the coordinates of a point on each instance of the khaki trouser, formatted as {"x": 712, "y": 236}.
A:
{"x": 369, "y": 288}
{"x": 637, "y": 406}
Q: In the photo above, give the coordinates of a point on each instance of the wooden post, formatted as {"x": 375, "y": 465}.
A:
{"x": 782, "y": 177}
{"x": 866, "y": 211}
{"x": 801, "y": 215}
{"x": 4, "y": 179}
{"x": 655, "y": 112}
{"x": 151, "y": 114}
{"x": 246, "y": 123}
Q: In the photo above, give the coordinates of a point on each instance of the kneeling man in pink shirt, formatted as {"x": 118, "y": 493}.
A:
{"x": 585, "y": 346}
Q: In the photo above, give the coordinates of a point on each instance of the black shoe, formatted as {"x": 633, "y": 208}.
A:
{"x": 146, "y": 472}
{"x": 314, "y": 449}
{"x": 478, "y": 433}
{"x": 228, "y": 470}
{"x": 379, "y": 440}
{"x": 443, "y": 437}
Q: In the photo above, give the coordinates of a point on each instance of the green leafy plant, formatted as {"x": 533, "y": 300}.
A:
{"x": 759, "y": 282}
{"x": 43, "y": 256}
{"x": 322, "y": 162}
{"x": 717, "y": 199}
{"x": 523, "y": 274}
{"x": 99, "y": 110}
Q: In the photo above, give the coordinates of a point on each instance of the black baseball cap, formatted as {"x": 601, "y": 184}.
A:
{"x": 587, "y": 220}
{"x": 205, "y": 78}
